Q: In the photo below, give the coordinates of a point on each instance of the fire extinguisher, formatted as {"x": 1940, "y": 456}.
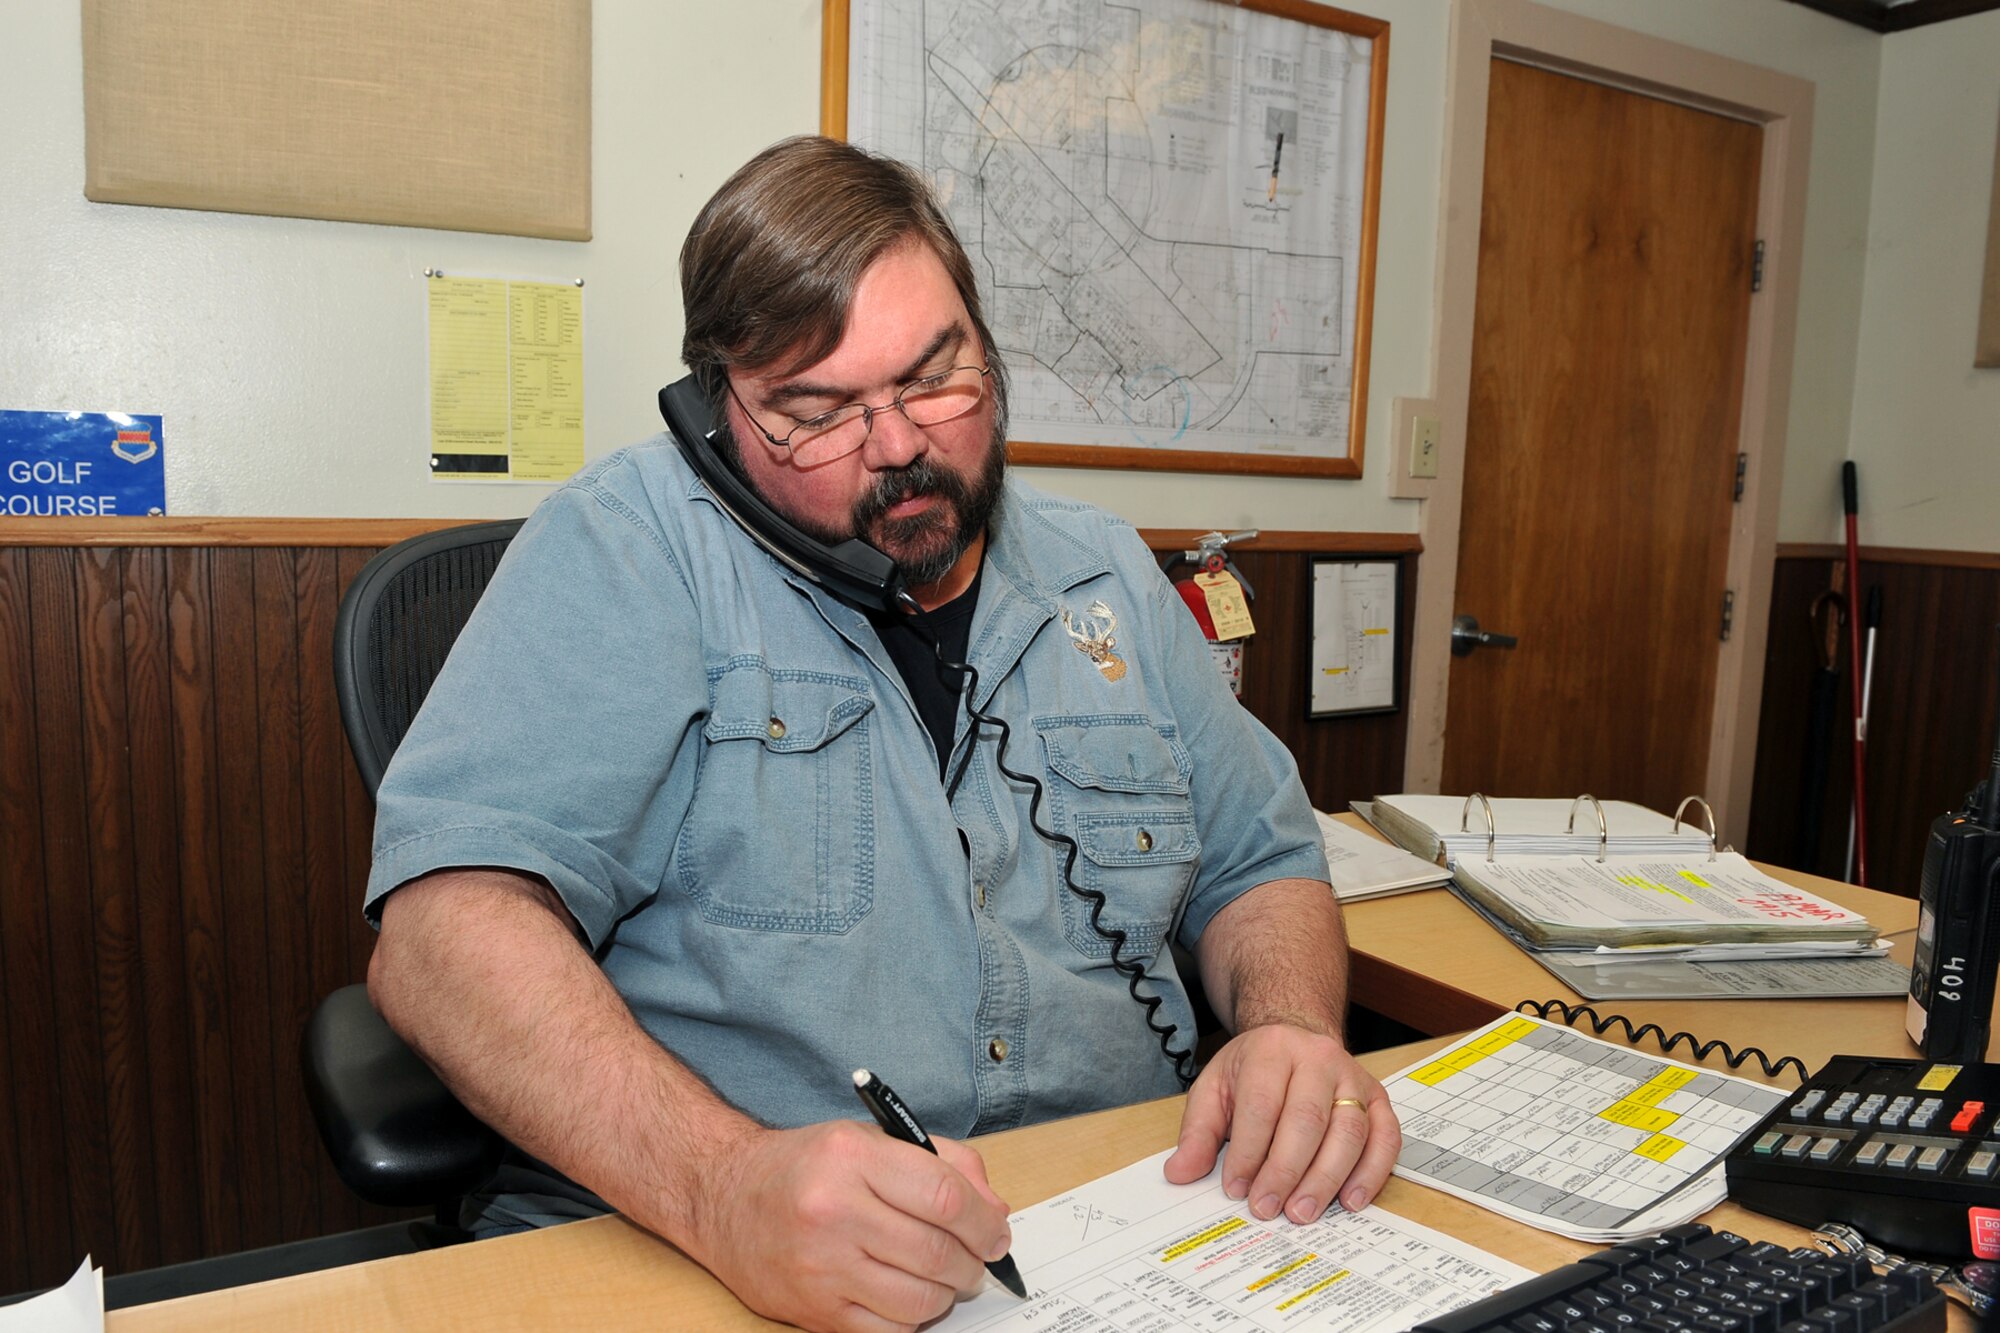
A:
{"x": 1219, "y": 597}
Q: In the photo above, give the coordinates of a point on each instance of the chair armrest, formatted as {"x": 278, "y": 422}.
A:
{"x": 396, "y": 1134}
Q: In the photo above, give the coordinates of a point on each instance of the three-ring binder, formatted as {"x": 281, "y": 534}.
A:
{"x": 1603, "y": 823}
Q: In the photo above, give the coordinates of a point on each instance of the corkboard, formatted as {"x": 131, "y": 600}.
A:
{"x": 472, "y": 115}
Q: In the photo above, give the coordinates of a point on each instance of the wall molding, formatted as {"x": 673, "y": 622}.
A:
{"x": 378, "y": 532}
{"x": 1891, "y": 555}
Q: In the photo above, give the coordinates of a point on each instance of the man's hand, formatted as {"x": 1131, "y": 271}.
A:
{"x": 839, "y": 1226}
{"x": 1281, "y": 1097}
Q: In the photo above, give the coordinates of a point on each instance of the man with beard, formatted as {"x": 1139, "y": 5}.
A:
{"x": 680, "y": 838}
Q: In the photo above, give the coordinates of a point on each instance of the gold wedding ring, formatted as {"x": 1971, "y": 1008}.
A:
{"x": 1350, "y": 1101}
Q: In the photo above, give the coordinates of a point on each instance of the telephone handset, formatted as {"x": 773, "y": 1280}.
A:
{"x": 853, "y": 570}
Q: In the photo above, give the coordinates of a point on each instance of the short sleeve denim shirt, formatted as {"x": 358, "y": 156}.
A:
{"x": 719, "y": 769}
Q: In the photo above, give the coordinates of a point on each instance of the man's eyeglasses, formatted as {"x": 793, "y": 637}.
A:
{"x": 930, "y": 401}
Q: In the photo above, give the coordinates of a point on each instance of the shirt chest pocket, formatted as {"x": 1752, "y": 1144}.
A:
{"x": 1119, "y": 786}
{"x": 781, "y": 831}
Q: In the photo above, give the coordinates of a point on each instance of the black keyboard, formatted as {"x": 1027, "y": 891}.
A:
{"x": 1693, "y": 1280}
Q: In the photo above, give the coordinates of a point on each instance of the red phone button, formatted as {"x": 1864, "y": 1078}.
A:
{"x": 1962, "y": 1122}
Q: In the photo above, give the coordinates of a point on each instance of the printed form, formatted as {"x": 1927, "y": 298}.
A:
{"x": 1571, "y": 1134}
{"x": 1130, "y": 1253}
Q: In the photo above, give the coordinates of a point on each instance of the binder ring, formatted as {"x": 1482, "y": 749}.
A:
{"x": 1707, "y": 814}
{"x": 1603, "y": 827}
{"x": 1465, "y": 820}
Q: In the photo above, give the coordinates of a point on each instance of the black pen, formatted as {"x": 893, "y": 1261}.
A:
{"x": 896, "y": 1119}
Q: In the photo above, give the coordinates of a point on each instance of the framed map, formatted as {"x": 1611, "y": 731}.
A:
{"x": 1171, "y": 207}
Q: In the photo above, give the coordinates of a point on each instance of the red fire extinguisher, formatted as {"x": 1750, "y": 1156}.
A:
{"x": 1219, "y": 597}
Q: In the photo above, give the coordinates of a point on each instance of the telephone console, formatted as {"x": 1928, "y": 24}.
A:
{"x": 1905, "y": 1151}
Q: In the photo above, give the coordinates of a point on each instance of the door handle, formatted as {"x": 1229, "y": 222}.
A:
{"x": 1466, "y": 635}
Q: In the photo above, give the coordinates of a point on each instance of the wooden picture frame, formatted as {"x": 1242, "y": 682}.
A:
{"x": 1151, "y": 299}
{"x": 1354, "y": 668}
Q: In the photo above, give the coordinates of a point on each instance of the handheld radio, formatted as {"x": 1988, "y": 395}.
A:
{"x": 1958, "y": 929}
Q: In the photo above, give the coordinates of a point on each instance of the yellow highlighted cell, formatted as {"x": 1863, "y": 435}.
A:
{"x": 1659, "y": 1087}
{"x": 1202, "y": 1238}
{"x": 1660, "y": 1147}
{"x": 1291, "y": 1267}
{"x": 1314, "y": 1290}
{"x": 1470, "y": 1054}
{"x": 1641, "y": 882}
{"x": 1634, "y": 1115}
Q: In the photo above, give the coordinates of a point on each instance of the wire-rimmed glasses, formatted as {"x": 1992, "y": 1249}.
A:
{"x": 930, "y": 401}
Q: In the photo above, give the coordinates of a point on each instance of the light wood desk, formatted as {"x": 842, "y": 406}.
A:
{"x": 1428, "y": 960}
{"x": 607, "y": 1274}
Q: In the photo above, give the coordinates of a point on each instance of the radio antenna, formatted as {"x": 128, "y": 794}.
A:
{"x": 1989, "y": 814}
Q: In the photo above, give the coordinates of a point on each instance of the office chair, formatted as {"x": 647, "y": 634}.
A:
{"x": 396, "y": 1134}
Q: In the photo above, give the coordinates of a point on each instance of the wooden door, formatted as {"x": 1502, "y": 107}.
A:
{"x": 1616, "y": 241}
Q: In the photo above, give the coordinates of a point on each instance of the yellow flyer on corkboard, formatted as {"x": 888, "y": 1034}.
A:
{"x": 506, "y": 379}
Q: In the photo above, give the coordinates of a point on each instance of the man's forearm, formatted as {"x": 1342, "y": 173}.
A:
{"x": 482, "y": 972}
{"x": 1278, "y": 954}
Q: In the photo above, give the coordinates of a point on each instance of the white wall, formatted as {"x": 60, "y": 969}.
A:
{"x": 288, "y": 355}
{"x": 1926, "y": 434}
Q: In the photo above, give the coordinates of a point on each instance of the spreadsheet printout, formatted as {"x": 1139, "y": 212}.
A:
{"x": 1569, "y": 1133}
{"x": 1131, "y": 1253}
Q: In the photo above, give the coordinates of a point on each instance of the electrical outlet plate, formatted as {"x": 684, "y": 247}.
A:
{"x": 1424, "y": 434}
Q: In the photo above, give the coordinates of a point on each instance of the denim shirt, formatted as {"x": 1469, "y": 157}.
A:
{"x": 720, "y": 771}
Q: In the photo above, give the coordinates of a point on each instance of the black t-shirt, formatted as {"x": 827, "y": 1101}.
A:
{"x": 910, "y": 649}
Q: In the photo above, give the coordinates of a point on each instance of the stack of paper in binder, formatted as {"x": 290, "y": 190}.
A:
{"x": 1616, "y": 880}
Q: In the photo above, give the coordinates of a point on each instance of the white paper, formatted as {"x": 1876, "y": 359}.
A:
{"x": 1130, "y": 1253}
{"x": 1571, "y": 1134}
{"x": 1353, "y": 663}
{"x": 1637, "y": 891}
{"x": 77, "y": 1306}
{"x": 1361, "y": 866}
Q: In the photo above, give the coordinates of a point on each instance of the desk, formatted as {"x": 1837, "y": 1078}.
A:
{"x": 607, "y": 1274}
{"x": 1428, "y": 960}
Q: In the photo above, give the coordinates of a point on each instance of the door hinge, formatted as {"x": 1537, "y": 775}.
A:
{"x": 1728, "y": 611}
{"x": 1742, "y": 470}
{"x": 1757, "y": 267}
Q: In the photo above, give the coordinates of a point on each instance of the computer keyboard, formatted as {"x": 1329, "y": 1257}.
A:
{"x": 1693, "y": 1280}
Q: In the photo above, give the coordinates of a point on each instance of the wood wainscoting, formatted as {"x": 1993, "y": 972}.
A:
{"x": 184, "y": 843}
{"x": 1930, "y": 714}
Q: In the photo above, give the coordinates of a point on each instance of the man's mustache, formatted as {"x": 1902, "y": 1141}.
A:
{"x": 920, "y": 478}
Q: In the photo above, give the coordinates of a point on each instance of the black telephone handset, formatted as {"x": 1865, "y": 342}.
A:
{"x": 853, "y": 570}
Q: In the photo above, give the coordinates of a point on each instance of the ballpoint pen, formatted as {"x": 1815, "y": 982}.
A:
{"x": 897, "y": 1121}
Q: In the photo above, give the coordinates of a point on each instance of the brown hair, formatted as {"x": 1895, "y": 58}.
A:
{"x": 769, "y": 269}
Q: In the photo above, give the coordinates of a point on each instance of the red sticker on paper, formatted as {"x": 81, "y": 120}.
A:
{"x": 1985, "y": 1224}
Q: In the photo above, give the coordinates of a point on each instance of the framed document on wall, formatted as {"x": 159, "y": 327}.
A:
{"x": 1356, "y": 609}
{"x": 1171, "y": 206}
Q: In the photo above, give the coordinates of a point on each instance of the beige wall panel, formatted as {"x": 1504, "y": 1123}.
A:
{"x": 472, "y": 115}
{"x": 1989, "y": 304}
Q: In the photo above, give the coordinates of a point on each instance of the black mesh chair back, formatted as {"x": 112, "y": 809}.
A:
{"x": 395, "y": 1133}
{"x": 397, "y": 623}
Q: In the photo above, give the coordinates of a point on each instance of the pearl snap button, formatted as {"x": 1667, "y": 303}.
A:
{"x": 777, "y": 729}
{"x": 997, "y": 1048}
{"x": 1145, "y": 841}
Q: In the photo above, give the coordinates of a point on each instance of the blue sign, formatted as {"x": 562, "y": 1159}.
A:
{"x": 73, "y": 464}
